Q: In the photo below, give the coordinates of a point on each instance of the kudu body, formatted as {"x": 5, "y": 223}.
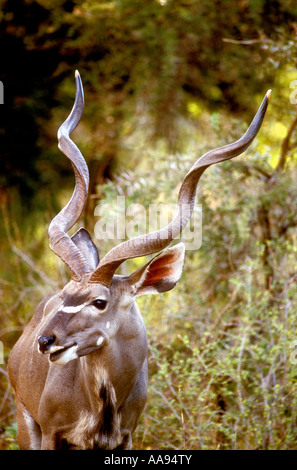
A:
{"x": 79, "y": 370}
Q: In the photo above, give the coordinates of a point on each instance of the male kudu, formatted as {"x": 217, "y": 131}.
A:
{"x": 79, "y": 370}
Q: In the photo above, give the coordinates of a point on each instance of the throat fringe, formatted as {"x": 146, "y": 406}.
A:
{"x": 101, "y": 428}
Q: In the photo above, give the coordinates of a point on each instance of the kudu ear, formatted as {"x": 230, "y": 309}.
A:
{"x": 83, "y": 241}
{"x": 161, "y": 273}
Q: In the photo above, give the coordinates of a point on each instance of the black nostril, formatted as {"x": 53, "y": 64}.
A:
{"x": 45, "y": 342}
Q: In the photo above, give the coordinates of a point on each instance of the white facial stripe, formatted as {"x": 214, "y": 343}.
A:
{"x": 78, "y": 308}
{"x": 71, "y": 309}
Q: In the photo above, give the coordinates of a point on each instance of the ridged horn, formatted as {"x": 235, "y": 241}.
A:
{"x": 156, "y": 241}
{"x": 60, "y": 242}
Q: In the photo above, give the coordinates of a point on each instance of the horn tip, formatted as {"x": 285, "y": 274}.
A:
{"x": 76, "y": 74}
{"x": 268, "y": 94}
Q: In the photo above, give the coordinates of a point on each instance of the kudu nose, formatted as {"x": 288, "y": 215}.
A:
{"x": 45, "y": 342}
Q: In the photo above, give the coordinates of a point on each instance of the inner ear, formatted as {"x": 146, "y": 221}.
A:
{"x": 83, "y": 241}
{"x": 161, "y": 274}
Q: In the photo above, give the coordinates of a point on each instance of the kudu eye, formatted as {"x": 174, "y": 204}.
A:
{"x": 99, "y": 303}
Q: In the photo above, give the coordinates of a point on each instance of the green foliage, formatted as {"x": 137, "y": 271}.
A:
{"x": 144, "y": 69}
{"x": 164, "y": 83}
{"x": 230, "y": 384}
{"x": 11, "y": 437}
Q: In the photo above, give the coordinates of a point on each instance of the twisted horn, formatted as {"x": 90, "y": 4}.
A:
{"x": 60, "y": 242}
{"x": 157, "y": 241}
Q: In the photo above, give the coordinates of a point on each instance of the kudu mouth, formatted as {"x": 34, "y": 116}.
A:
{"x": 61, "y": 350}
{"x": 46, "y": 346}
{"x": 62, "y": 354}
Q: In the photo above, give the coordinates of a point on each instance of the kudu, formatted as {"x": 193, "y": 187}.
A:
{"x": 93, "y": 328}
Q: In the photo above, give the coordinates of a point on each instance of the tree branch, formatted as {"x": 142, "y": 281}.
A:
{"x": 286, "y": 147}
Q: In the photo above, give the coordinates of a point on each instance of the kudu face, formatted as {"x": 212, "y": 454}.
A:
{"x": 86, "y": 317}
{"x": 81, "y": 320}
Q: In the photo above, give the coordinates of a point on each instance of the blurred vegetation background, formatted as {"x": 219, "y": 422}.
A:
{"x": 165, "y": 81}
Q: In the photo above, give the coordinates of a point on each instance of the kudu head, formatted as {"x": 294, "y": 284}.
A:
{"x": 97, "y": 305}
